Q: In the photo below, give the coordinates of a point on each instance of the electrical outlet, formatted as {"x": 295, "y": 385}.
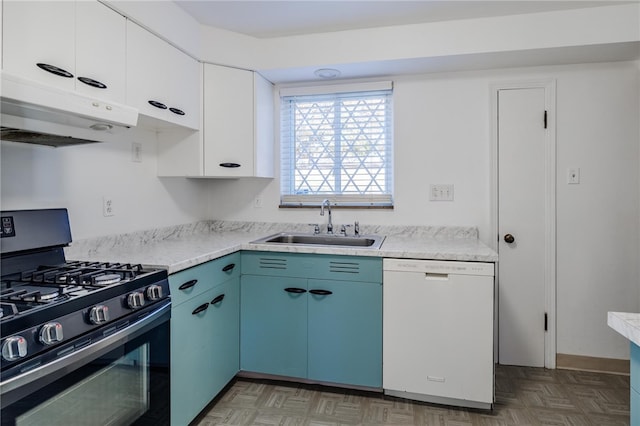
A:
{"x": 442, "y": 192}
{"x": 108, "y": 208}
{"x": 136, "y": 152}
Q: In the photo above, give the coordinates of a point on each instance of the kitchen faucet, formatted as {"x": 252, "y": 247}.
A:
{"x": 329, "y": 224}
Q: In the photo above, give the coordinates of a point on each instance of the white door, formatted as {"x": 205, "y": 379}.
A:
{"x": 521, "y": 226}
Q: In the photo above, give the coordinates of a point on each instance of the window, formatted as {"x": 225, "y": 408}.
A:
{"x": 336, "y": 143}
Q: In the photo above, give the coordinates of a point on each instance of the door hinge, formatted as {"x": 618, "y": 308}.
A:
{"x": 545, "y": 119}
{"x": 546, "y": 320}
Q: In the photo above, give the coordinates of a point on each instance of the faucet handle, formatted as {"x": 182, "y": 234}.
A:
{"x": 316, "y": 228}
{"x": 356, "y": 228}
{"x": 343, "y": 229}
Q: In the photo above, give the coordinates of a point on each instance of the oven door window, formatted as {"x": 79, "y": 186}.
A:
{"x": 129, "y": 385}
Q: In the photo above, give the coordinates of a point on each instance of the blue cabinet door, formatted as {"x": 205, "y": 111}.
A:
{"x": 191, "y": 348}
{"x": 345, "y": 332}
{"x": 224, "y": 326}
{"x": 273, "y": 327}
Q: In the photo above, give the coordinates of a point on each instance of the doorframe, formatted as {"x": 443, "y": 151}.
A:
{"x": 549, "y": 86}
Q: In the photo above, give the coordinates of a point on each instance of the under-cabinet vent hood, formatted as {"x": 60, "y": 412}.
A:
{"x": 35, "y": 113}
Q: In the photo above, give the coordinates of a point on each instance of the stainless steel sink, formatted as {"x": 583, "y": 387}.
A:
{"x": 288, "y": 238}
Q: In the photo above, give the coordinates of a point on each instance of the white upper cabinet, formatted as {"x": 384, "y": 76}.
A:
{"x": 228, "y": 121}
{"x": 162, "y": 82}
{"x": 71, "y": 45}
{"x": 238, "y": 123}
{"x": 100, "y": 51}
{"x": 236, "y": 139}
{"x": 39, "y": 41}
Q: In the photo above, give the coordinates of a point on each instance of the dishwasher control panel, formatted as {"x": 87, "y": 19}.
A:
{"x": 439, "y": 267}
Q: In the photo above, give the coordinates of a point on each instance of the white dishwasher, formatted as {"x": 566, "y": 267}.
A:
{"x": 438, "y": 319}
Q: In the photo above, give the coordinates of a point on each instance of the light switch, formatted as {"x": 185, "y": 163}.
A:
{"x": 442, "y": 192}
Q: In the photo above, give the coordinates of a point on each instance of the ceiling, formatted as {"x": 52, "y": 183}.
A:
{"x": 267, "y": 19}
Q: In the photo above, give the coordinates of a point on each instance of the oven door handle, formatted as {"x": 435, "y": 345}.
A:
{"x": 74, "y": 360}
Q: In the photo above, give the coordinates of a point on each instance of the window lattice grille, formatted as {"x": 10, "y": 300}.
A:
{"x": 337, "y": 145}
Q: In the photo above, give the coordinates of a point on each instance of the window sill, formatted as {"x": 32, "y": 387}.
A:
{"x": 335, "y": 206}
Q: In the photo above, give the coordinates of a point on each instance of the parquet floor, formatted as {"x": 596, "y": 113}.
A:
{"x": 524, "y": 396}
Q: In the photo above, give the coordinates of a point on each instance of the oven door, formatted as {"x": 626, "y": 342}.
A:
{"x": 122, "y": 379}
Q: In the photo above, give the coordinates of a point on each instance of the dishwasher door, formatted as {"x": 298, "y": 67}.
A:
{"x": 438, "y": 319}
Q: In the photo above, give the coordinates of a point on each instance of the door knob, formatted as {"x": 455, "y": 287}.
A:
{"x": 508, "y": 238}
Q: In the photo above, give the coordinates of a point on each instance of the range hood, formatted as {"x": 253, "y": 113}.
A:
{"x": 32, "y": 112}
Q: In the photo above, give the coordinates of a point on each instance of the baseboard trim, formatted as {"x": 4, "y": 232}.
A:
{"x": 590, "y": 363}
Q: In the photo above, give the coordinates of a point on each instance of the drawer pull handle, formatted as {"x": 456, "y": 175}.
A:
{"x": 230, "y": 165}
{"x": 157, "y": 104}
{"x": 200, "y": 308}
{"x": 55, "y": 70}
{"x": 218, "y": 299}
{"x": 229, "y": 267}
{"x": 321, "y": 292}
{"x": 295, "y": 290}
{"x": 188, "y": 284}
{"x": 93, "y": 83}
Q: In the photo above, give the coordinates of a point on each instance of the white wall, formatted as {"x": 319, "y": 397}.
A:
{"x": 78, "y": 177}
{"x": 442, "y": 135}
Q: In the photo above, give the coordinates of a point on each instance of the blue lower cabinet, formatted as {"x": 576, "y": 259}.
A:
{"x": 205, "y": 339}
{"x": 273, "y": 333}
{"x": 345, "y": 332}
{"x": 224, "y": 308}
{"x": 635, "y": 384}
{"x": 191, "y": 348}
{"x": 635, "y": 407}
{"x": 320, "y": 319}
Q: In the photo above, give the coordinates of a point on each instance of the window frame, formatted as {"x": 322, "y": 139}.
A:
{"x": 383, "y": 200}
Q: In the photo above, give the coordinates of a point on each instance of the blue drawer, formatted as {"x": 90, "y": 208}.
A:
{"x": 195, "y": 281}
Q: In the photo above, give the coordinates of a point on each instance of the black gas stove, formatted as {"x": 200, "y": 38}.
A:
{"x": 52, "y": 309}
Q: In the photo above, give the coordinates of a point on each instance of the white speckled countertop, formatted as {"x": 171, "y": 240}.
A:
{"x": 627, "y": 324}
{"x": 179, "y": 247}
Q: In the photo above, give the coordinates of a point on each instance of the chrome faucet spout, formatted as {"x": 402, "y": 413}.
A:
{"x": 329, "y": 223}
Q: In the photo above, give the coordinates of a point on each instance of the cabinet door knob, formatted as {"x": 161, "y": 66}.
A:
{"x": 200, "y": 308}
{"x": 55, "y": 70}
{"x": 157, "y": 104}
{"x": 509, "y": 239}
{"x": 321, "y": 292}
{"x": 177, "y": 111}
{"x": 93, "y": 83}
{"x": 188, "y": 284}
{"x": 230, "y": 165}
{"x": 295, "y": 290}
{"x": 217, "y": 299}
{"x": 229, "y": 267}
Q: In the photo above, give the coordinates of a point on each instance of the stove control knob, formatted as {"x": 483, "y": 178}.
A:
{"x": 135, "y": 300}
{"x": 154, "y": 292}
{"x": 99, "y": 314}
{"x": 14, "y": 347}
{"x": 51, "y": 333}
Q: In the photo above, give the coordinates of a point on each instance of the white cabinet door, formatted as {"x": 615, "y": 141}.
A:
{"x": 228, "y": 122}
{"x": 237, "y": 130}
{"x": 100, "y": 51}
{"x": 162, "y": 81}
{"x": 40, "y": 32}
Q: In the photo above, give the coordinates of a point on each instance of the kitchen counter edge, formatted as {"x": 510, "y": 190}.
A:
{"x": 183, "y": 252}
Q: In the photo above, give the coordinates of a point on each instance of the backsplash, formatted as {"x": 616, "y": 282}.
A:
{"x": 140, "y": 238}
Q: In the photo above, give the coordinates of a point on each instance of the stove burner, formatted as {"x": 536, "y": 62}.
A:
{"x": 108, "y": 279}
{"x": 39, "y": 294}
